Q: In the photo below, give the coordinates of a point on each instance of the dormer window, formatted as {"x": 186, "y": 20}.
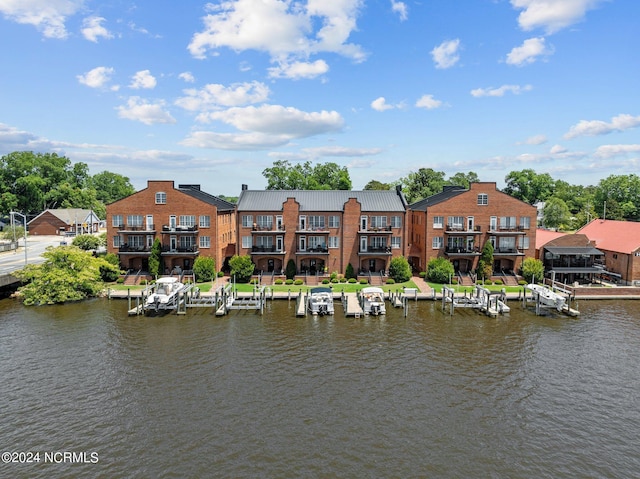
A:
{"x": 161, "y": 198}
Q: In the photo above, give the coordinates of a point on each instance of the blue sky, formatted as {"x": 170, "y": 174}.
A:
{"x": 214, "y": 93}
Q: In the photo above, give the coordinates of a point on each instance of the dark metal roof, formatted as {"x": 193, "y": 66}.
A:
{"x": 195, "y": 192}
{"x": 447, "y": 193}
{"x": 573, "y": 250}
{"x": 591, "y": 269}
{"x": 321, "y": 200}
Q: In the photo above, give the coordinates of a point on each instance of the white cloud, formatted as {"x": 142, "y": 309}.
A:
{"x": 143, "y": 111}
{"x": 428, "y": 102}
{"x": 187, "y": 77}
{"x": 552, "y": 15}
{"x": 400, "y": 8}
{"x": 529, "y": 52}
{"x": 215, "y": 96}
{"x": 312, "y": 154}
{"x": 515, "y": 89}
{"x": 285, "y": 30}
{"x": 92, "y": 29}
{"x": 597, "y": 127}
{"x": 99, "y": 77}
{"x": 536, "y": 140}
{"x": 48, "y": 16}
{"x": 446, "y": 55}
{"x": 143, "y": 79}
{"x": 380, "y": 104}
{"x": 557, "y": 150}
{"x": 610, "y": 151}
{"x": 298, "y": 70}
{"x": 234, "y": 141}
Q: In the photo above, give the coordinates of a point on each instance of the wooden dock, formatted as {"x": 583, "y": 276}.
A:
{"x": 352, "y": 305}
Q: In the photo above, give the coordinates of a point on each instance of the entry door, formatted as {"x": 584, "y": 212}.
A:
{"x": 470, "y": 223}
{"x": 173, "y": 243}
{"x": 172, "y": 222}
{"x": 372, "y": 265}
{"x": 279, "y": 244}
{"x": 363, "y": 223}
{"x": 363, "y": 244}
{"x": 149, "y": 222}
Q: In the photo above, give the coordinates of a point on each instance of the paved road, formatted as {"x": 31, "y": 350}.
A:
{"x": 13, "y": 260}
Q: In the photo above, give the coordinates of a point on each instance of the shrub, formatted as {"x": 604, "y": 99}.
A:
{"x": 86, "y": 242}
{"x": 220, "y": 274}
{"x": 498, "y": 282}
{"x": 325, "y": 281}
{"x": 204, "y": 268}
{"x": 349, "y": 273}
{"x": 298, "y": 282}
{"x": 278, "y": 281}
{"x": 522, "y": 282}
{"x": 488, "y": 282}
{"x": 454, "y": 281}
{"x": 253, "y": 281}
{"x": 242, "y": 268}
{"x": 399, "y": 269}
{"x": 289, "y": 282}
{"x": 423, "y": 274}
{"x": 335, "y": 280}
{"x": 391, "y": 281}
{"x": 364, "y": 281}
{"x": 120, "y": 280}
{"x": 343, "y": 280}
{"x": 352, "y": 280}
{"x": 290, "y": 270}
{"x": 439, "y": 270}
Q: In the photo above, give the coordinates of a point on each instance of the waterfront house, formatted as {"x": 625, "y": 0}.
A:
{"x": 570, "y": 258}
{"x": 457, "y": 222}
{"x": 620, "y": 243}
{"x": 322, "y": 231}
{"x": 187, "y": 221}
{"x": 64, "y": 221}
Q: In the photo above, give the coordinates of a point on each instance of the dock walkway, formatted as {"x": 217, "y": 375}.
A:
{"x": 352, "y": 305}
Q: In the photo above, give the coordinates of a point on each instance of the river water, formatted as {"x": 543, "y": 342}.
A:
{"x": 426, "y": 395}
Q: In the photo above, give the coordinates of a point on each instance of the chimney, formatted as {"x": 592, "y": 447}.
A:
{"x": 245, "y": 187}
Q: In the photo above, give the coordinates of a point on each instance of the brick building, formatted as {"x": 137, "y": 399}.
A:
{"x": 321, "y": 231}
{"x": 457, "y": 222}
{"x": 63, "y": 221}
{"x": 188, "y": 222}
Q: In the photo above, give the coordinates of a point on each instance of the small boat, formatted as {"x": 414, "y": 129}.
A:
{"x": 320, "y": 301}
{"x": 164, "y": 295}
{"x": 373, "y": 301}
{"x": 548, "y": 297}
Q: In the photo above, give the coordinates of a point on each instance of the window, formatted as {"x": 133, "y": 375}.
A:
{"x": 493, "y": 223}
{"x": 438, "y": 222}
{"x": 205, "y": 242}
{"x": 523, "y": 242}
{"x": 316, "y": 242}
{"x": 483, "y": 199}
{"x": 136, "y": 241}
{"x": 334, "y": 222}
{"x": 116, "y": 221}
{"x": 507, "y": 245}
{"x": 437, "y": 242}
{"x": 187, "y": 243}
{"x": 205, "y": 221}
{"x": 246, "y": 242}
{"x": 395, "y": 242}
{"x": 264, "y": 241}
{"x": 188, "y": 220}
{"x": 525, "y": 222}
{"x": 116, "y": 242}
{"x": 455, "y": 243}
{"x": 507, "y": 222}
{"x": 378, "y": 242}
{"x": 396, "y": 221}
{"x": 316, "y": 222}
{"x": 247, "y": 221}
{"x": 334, "y": 242}
{"x": 161, "y": 198}
{"x": 456, "y": 222}
{"x": 264, "y": 222}
{"x": 378, "y": 221}
{"x": 134, "y": 220}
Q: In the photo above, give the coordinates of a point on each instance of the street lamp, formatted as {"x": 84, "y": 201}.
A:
{"x": 13, "y": 213}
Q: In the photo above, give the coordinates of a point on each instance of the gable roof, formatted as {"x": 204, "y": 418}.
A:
{"x": 545, "y": 236}
{"x": 321, "y": 200}
{"x": 195, "y": 192}
{"x": 613, "y": 235}
{"x": 447, "y": 193}
{"x": 69, "y": 216}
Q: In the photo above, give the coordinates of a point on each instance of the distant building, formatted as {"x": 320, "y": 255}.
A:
{"x": 620, "y": 243}
{"x": 64, "y": 221}
{"x": 187, "y": 221}
{"x": 457, "y": 222}
{"x": 570, "y": 258}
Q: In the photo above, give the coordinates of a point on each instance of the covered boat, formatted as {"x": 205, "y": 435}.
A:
{"x": 320, "y": 301}
{"x": 164, "y": 295}
{"x": 373, "y": 300}
{"x": 547, "y": 297}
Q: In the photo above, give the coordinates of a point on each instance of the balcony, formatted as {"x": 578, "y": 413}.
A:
{"x": 266, "y": 250}
{"x": 125, "y": 248}
{"x": 137, "y": 228}
{"x": 509, "y": 230}
{"x": 376, "y": 230}
{"x": 507, "y": 252}
{"x": 455, "y": 251}
{"x": 460, "y": 230}
{"x": 313, "y": 230}
{"x": 376, "y": 250}
{"x": 179, "y": 229}
{"x": 315, "y": 250}
{"x": 267, "y": 229}
{"x": 189, "y": 250}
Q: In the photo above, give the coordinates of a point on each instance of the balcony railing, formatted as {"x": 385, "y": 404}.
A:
{"x": 507, "y": 251}
{"x": 376, "y": 250}
{"x": 316, "y": 249}
{"x": 375, "y": 229}
{"x": 462, "y": 250}
{"x": 180, "y": 249}
{"x": 137, "y": 227}
{"x": 462, "y": 229}
{"x": 265, "y": 249}
{"x": 313, "y": 229}
{"x": 509, "y": 230}
{"x": 125, "y": 248}
{"x": 179, "y": 229}
{"x": 268, "y": 229}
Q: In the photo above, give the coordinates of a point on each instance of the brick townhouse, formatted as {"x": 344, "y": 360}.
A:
{"x": 321, "y": 231}
{"x": 188, "y": 222}
{"x": 457, "y": 222}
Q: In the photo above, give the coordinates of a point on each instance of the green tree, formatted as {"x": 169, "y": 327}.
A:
{"x": 440, "y": 270}
{"x": 67, "y": 274}
{"x": 303, "y": 176}
{"x": 399, "y": 269}
{"x": 155, "y": 258}
{"x": 86, "y": 242}
{"x": 617, "y": 197}
{"x": 204, "y": 268}
{"x": 349, "y": 273}
{"x": 422, "y": 183}
{"x": 529, "y": 186}
{"x": 485, "y": 263}
{"x": 290, "y": 270}
{"x": 555, "y": 213}
{"x": 242, "y": 268}
{"x": 111, "y": 187}
{"x": 532, "y": 270}
{"x": 377, "y": 185}
{"x": 464, "y": 179}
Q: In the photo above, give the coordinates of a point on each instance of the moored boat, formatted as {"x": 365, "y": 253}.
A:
{"x": 373, "y": 300}
{"x": 164, "y": 295}
{"x": 320, "y": 301}
{"x": 547, "y": 297}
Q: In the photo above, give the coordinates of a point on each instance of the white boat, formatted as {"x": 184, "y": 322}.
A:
{"x": 373, "y": 300}
{"x": 548, "y": 297}
{"x": 320, "y": 301}
{"x": 164, "y": 295}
